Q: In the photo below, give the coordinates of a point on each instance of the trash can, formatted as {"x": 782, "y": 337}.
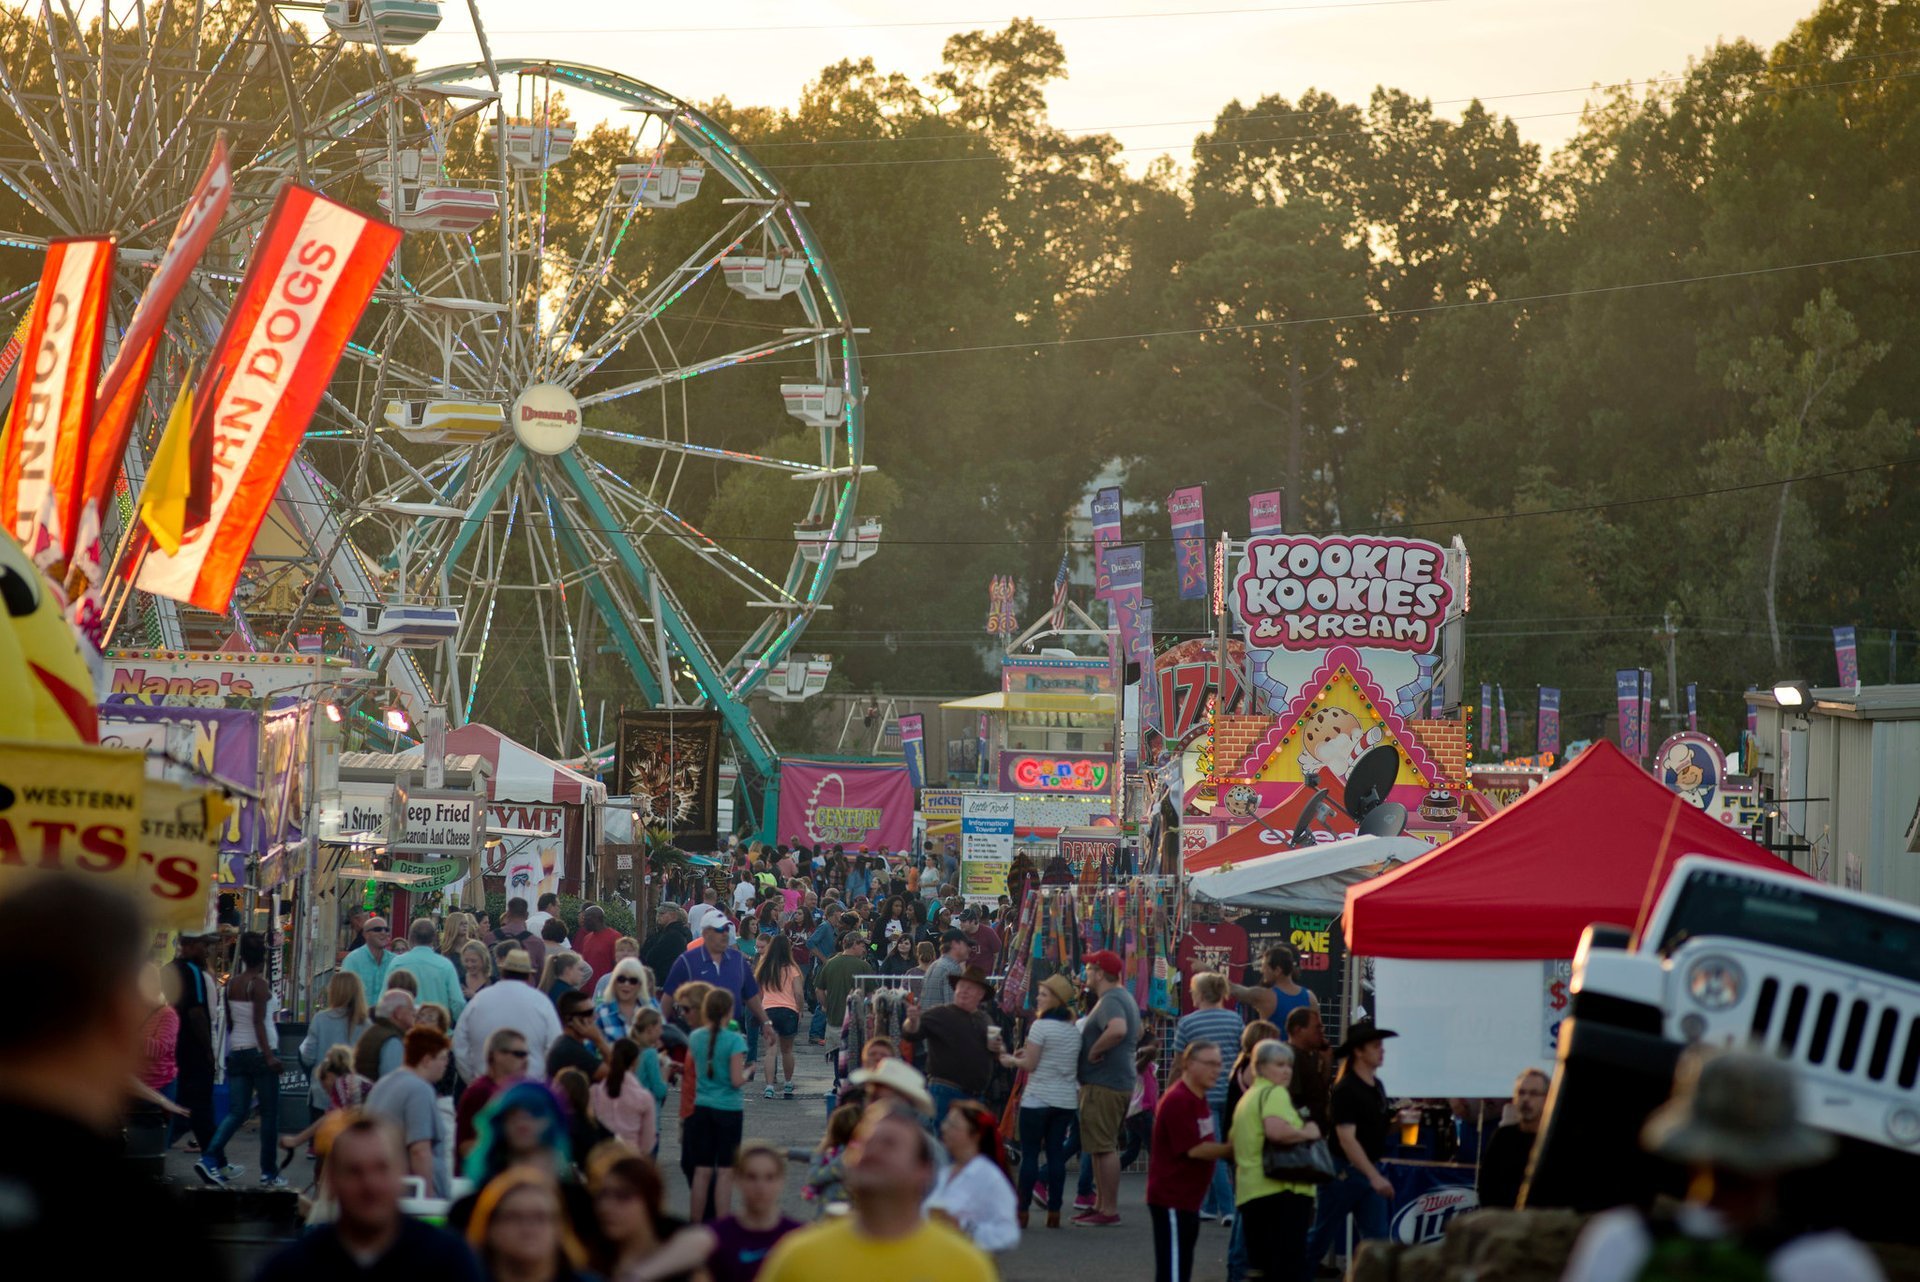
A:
{"x": 296, "y": 1114}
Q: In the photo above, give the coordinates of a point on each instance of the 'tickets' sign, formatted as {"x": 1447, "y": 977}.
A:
{"x": 1306, "y": 593}
{"x": 1038, "y": 772}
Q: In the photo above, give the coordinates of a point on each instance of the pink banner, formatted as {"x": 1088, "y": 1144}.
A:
{"x": 841, "y": 803}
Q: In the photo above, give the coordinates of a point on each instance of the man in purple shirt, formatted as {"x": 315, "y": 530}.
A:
{"x": 717, "y": 962}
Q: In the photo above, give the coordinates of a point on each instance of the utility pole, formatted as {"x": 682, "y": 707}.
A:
{"x": 1668, "y": 634}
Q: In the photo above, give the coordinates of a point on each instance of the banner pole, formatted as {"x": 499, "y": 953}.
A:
{"x": 113, "y": 621}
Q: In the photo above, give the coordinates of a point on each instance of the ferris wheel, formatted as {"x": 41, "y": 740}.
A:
{"x": 602, "y": 428}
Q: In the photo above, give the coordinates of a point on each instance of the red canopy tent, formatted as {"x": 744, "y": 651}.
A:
{"x": 1593, "y": 844}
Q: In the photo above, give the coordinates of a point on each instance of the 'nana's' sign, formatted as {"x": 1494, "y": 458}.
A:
{"x": 1306, "y": 593}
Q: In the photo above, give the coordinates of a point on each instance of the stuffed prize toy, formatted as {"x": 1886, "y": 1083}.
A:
{"x": 46, "y": 689}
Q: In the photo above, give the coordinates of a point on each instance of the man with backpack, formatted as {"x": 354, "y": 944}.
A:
{"x": 513, "y": 925}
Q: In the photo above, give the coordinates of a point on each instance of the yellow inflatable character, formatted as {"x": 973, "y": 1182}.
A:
{"x": 46, "y": 691}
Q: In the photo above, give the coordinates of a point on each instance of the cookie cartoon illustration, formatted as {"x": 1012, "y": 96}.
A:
{"x": 1241, "y": 801}
{"x": 1331, "y": 741}
{"x": 1440, "y": 806}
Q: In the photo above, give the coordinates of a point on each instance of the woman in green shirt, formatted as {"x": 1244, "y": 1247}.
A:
{"x": 1276, "y": 1215}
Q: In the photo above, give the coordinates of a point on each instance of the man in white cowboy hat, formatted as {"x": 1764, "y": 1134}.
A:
{"x": 896, "y": 1078}
{"x": 1733, "y": 1122}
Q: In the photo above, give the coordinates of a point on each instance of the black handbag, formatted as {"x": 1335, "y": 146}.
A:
{"x": 1308, "y": 1162}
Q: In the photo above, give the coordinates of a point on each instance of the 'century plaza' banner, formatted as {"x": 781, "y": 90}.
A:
{"x": 53, "y": 402}
{"x": 315, "y": 267}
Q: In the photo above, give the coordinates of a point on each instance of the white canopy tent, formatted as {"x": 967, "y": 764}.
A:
{"x": 1310, "y": 880}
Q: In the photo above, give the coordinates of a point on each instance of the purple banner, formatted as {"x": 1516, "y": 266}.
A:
{"x": 1265, "y": 514}
{"x": 1187, "y": 514}
{"x": 1505, "y": 749}
{"x": 1548, "y": 727}
{"x": 913, "y": 746}
{"x": 223, "y": 741}
{"x": 839, "y": 803}
{"x": 1846, "y": 653}
{"x": 983, "y": 736}
{"x": 1106, "y": 532}
{"x": 1626, "y": 698}
{"x": 1693, "y": 706}
{"x": 1646, "y": 712}
{"x": 1149, "y": 678}
{"x": 1486, "y": 717}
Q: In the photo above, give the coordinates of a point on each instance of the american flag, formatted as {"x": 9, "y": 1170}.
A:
{"x": 1058, "y": 619}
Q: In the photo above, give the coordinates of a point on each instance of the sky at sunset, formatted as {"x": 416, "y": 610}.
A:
{"x": 1153, "y": 81}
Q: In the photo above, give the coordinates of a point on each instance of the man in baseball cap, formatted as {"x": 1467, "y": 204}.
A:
{"x": 1107, "y": 1045}
{"x": 714, "y": 960}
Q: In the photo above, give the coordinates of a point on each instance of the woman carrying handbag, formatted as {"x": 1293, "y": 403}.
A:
{"x": 1276, "y": 1212}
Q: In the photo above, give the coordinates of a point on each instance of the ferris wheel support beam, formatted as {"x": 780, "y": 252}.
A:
{"x": 746, "y": 734}
{"x": 612, "y": 614}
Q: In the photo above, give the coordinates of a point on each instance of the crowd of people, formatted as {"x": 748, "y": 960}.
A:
{"x": 482, "y": 1108}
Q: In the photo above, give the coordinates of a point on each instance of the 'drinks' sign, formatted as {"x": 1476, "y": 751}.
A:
{"x": 1305, "y": 593}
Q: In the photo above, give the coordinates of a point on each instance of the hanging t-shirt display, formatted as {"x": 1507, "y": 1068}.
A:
{"x": 1322, "y": 946}
{"x": 1219, "y": 946}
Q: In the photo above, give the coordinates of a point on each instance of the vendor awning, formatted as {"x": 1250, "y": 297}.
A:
{"x": 1314, "y": 879}
{"x": 1022, "y": 701}
{"x": 1593, "y": 844}
{"x": 520, "y": 773}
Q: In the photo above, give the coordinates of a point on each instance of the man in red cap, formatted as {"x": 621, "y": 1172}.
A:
{"x": 1107, "y": 1045}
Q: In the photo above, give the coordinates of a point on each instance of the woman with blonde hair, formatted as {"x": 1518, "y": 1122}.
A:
{"x": 476, "y": 968}
{"x": 340, "y": 1024}
{"x": 627, "y": 996}
{"x": 520, "y": 1230}
{"x": 454, "y": 934}
{"x": 564, "y": 972}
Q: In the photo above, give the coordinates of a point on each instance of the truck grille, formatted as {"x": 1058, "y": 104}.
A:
{"x": 1852, "y": 1036}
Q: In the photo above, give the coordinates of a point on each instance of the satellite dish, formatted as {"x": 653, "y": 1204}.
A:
{"x": 1388, "y": 819}
{"x": 1370, "y": 782}
{"x": 1318, "y": 810}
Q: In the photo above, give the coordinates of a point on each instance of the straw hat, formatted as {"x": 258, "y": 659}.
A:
{"x": 899, "y": 1077}
{"x": 1735, "y": 1110}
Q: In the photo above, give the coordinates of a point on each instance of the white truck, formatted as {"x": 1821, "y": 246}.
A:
{"x": 1828, "y": 979}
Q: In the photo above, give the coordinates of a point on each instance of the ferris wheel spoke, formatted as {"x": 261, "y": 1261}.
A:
{"x": 797, "y": 470}
{"x": 745, "y": 355}
{"x": 649, "y": 307}
{"x": 660, "y": 519}
{"x": 566, "y": 620}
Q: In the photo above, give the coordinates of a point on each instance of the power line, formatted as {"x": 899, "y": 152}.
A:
{"x": 1385, "y": 528}
{"x": 758, "y": 28}
{"x": 1385, "y": 313}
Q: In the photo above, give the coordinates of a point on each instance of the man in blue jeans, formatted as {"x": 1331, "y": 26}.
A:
{"x": 959, "y": 1060}
{"x": 1208, "y": 1020}
{"x": 1361, "y": 1116}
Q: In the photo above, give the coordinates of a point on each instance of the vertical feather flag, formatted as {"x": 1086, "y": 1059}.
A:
{"x": 163, "y": 502}
{"x": 311, "y": 274}
{"x": 45, "y": 451}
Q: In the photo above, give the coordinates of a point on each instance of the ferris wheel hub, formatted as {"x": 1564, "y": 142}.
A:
{"x": 546, "y": 419}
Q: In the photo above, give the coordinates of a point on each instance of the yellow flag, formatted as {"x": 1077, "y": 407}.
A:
{"x": 163, "y": 501}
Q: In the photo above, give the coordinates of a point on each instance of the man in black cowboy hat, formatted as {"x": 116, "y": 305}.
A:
{"x": 959, "y": 1061}
{"x": 1734, "y": 1123}
{"x": 1361, "y": 1115}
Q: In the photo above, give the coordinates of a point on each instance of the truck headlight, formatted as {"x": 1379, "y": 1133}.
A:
{"x": 1715, "y": 982}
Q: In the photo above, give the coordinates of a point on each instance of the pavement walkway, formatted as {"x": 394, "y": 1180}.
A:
{"x": 1123, "y": 1251}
